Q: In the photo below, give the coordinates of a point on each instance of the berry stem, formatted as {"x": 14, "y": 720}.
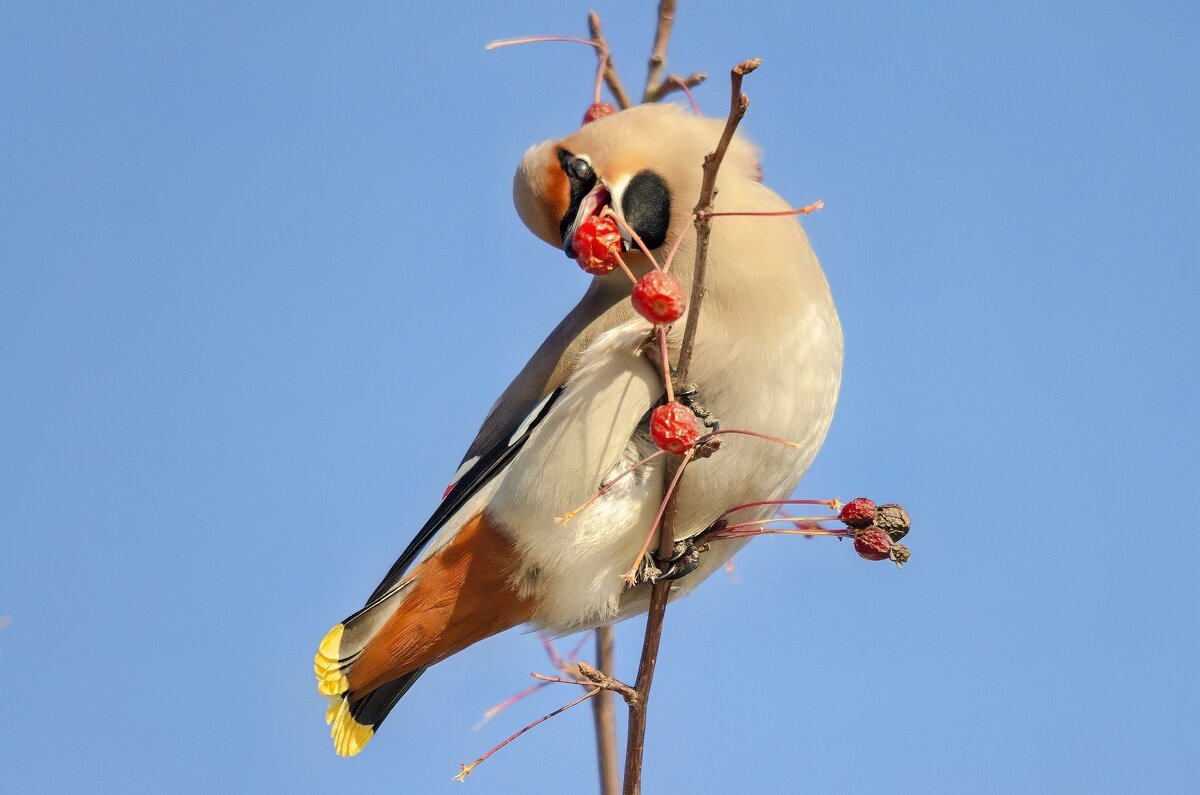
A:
{"x": 569, "y": 515}
{"x": 551, "y": 651}
{"x": 736, "y": 531}
{"x": 506, "y": 703}
{"x": 674, "y": 248}
{"x": 666, "y": 362}
{"x": 636, "y": 238}
{"x": 792, "y": 519}
{"x": 630, "y": 576}
{"x": 808, "y": 209}
{"x": 832, "y": 504}
{"x": 723, "y": 431}
{"x": 578, "y": 647}
{"x": 600, "y": 77}
{"x": 683, "y": 85}
{"x": 624, "y": 267}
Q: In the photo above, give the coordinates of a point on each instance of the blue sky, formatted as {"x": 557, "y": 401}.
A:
{"x": 260, "y": 279}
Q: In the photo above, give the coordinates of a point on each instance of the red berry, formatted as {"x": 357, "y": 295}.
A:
{"x": 596, "y": 243}
{"x": 598, "y": 110}
{"x": 873, "y": 544}
{"x": 859, "y": 512}
{"x": 673, "y": 428}
{"x": 659, "y": 297}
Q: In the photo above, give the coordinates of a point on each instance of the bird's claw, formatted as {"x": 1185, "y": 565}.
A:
{"x": 686, "y": 394}
{"x": 685, "y": 558}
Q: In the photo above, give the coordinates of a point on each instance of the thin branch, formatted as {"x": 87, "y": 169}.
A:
{"x": 599, "y": 678}
{"x": 677, "y": 83}
{"x": 708, "y": 189}
{"x": 588, "y": 677}
{"x": 660, "y": 591}
{"x": 466, "y": 769}
{"x": 657, "y": 88}
{"x": 658, "y": 55}
{"x": 610, "y": 68}
{"x": 602, "y": 716}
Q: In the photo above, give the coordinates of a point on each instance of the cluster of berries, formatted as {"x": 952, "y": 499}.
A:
{"x": 877, "y": 529}
{"x": 658, "y": 296}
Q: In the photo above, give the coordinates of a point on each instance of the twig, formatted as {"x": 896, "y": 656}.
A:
{"x": 708, "y": 189}
{"x": 600, "y": 679}
{"x": 610, "y": 68}
{"x": 466, "y": 769}
{"x": 684, "y": 84}
{"x": 656, "y": 87}
{"x": 602, "y": 716}
{"x": 658, "y": 55}
{"x": 660, "y": 591}
{"x": 588, "y": 677}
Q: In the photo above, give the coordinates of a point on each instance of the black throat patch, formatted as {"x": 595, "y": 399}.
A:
{"x": 646, "y": 205}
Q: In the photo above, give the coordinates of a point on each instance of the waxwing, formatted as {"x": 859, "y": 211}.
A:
{"x": 768, "y": 357}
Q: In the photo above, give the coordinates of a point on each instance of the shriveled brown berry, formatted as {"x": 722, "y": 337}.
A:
{"x": 673, "y": 428}
{"x": 899, "y": 555}
{"x": 893, "y": 520}
{"x": 872, "y": 544}
{"x": 659, "y": 297}
{"x": 859, "y": 512}
{"x": 597, "y": 242}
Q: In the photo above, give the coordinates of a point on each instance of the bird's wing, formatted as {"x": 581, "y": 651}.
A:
{"x": 517, "y": 412}
{"x": 482, "y": 468}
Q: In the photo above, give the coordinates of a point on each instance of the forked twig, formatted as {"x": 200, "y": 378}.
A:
{"x": 658, "y": 87}
{"x": 610, "y": 68}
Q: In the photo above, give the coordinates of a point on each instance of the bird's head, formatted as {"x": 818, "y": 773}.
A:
{"x": 644, "y": 162}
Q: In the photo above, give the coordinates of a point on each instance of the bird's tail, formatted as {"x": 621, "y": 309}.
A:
{"x": 459, "y": 594}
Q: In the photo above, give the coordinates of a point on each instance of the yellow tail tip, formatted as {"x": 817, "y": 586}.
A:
{"x": 327, "y": 665}
{"x": 349, "y": 736}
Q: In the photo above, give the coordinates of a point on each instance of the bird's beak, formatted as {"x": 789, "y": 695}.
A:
{"x": 590, "y": 205}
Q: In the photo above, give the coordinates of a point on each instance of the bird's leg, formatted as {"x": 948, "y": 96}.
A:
{"x": 685, "y": 558}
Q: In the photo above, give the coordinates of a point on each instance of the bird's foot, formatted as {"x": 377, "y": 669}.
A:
{"x": 685, "y": 558}
{"x": 687, "y": 395}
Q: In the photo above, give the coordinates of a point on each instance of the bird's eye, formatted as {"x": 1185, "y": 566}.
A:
{"x": 579, "y": 168}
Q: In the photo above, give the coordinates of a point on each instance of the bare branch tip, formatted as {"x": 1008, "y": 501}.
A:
{"x": 747, "y": 66}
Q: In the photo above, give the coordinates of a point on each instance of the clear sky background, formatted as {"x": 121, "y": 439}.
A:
{"x": 260, "y": 280}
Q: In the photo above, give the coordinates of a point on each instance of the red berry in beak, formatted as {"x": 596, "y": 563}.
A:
{"x": 596, "y": 242}
{"x": 659, "y": 297}
{"x": 859, "y": 512}
{"x": 598, "y": 110}
{"x": 873, "y": 544}
{"x": 673, "y": 428}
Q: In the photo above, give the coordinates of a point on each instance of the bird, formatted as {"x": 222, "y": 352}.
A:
{"x": 768, "y": 357}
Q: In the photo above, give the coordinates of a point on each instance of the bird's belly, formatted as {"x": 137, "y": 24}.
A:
{"x": 574, "y": 567}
